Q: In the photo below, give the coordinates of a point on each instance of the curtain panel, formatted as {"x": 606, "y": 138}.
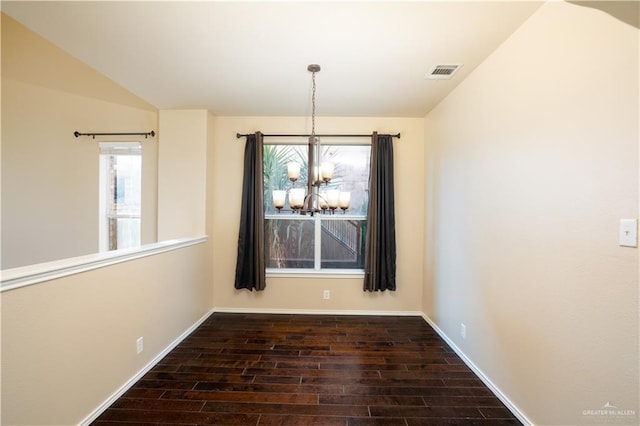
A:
{"x": 250, "y": 265}
{"x": 380, "y": 247}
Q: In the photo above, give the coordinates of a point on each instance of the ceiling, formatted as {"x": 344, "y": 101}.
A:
{"x": 250, "y": 58}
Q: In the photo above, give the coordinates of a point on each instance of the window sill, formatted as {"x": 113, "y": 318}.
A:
{"x": 306, "y": 273}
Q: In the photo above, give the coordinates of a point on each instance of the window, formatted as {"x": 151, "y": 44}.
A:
{"x": 323, "y": 242}
{"x": 120, "y": 195}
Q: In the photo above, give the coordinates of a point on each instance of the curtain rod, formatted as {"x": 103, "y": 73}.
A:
{"x": 240, "y": 135}
{"x": 93, "y": 135}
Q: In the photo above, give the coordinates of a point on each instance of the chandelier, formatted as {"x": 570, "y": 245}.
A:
{"x": 313, "y": 199}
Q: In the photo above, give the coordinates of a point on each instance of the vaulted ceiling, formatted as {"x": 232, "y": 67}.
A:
{"x": 250, "y": 58}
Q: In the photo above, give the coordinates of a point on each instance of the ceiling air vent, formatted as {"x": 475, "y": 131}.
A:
{"x": 442, "y": 72}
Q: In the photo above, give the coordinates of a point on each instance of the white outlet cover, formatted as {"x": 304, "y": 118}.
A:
{"x": 628, "y": 232}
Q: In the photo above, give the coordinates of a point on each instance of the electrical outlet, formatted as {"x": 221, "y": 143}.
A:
{"x": 139, "y": 345}
{"x": 463, "y": 330}
{"x": 326, "y": 295}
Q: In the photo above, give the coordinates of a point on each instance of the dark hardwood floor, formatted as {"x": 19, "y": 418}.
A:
{"x": 258, "y": 369}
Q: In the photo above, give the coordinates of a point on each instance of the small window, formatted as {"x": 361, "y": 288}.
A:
{"x": 120, "y": 195}
{"x": 323, "y": 242}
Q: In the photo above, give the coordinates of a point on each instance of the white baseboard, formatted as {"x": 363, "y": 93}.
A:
{"x": 496, "y": 391}
{"x": 96, "y": 413}
{"x": 315, "y": 312}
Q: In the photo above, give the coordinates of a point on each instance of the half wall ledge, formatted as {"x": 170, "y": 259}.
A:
{"x": 14, "y": 278}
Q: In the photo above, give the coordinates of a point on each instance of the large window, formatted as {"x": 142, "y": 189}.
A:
{"x": 323, "y": 242}
{"x": 120, "y": 195}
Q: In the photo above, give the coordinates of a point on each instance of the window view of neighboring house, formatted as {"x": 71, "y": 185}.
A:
{"x": 120, "y": 195}
{"x": 325, "y": 241}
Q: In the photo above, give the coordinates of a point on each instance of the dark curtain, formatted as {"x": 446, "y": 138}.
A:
{"x": 380, "y": 247}
{"x": 250, "y": 266}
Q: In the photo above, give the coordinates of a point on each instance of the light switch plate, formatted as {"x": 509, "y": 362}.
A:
{"x": 629, "y": 232}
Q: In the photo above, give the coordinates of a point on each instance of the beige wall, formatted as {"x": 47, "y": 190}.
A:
{"x": 68, "y": 344}
{"x": 49, "y": 177}
{"x": 532, "y": 161}
{"x": 225, "y": 189}
{"x": 182, "y": 177}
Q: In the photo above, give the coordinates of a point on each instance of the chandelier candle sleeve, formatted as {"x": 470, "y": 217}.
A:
{"x": 323, "y": 201}
{"x": 279, "y": 197}
{"x": 344, "y": 200}
{"x": 327, "y": 171}
{"x": 293, "y": 170}
{"x": 316, "y": 175}
{"x": 333, "y": 195}
{"x": 296, "y": 198}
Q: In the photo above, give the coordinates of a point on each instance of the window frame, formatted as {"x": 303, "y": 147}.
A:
{"x": 317, "y": 270}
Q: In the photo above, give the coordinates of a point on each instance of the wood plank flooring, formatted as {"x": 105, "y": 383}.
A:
{"x": 258, "y": 369}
